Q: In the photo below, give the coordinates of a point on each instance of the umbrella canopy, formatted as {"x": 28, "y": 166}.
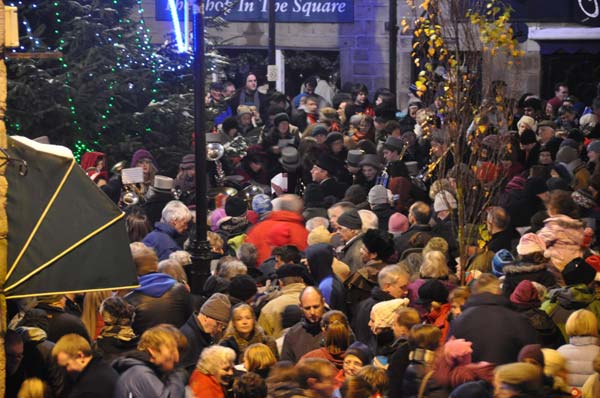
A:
{"x": 65, "y": 234}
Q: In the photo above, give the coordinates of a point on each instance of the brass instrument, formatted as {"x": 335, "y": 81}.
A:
{"x": 403, "y": 151}
{"x": 427, "y": 172}
{"x": 118, "y": 167}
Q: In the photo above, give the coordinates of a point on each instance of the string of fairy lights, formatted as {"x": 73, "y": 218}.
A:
{"x": 147, "y": 58}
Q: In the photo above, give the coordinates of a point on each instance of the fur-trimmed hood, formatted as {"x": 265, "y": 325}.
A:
{"x": 523, "y": 268}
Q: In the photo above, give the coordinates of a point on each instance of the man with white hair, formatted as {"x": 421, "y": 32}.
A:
{"x": 174, "y": 222}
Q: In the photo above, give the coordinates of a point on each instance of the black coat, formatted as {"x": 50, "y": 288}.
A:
{"x": 155, "y": 202}
{"x": 398, "y": 362}
{"x": 514, "y": 274}
{"x": 360, "y": 319}
{"x": 549, "y": 335}
{"x": 383, "y": 213}
{"x": 173, "y": 307}
{"x": 197, "y": 341}
{"x": 506, "y": 239}
{"x": 61, "y": 323}
{"x": 413, "y": 377}
{"x": 497, "y": 332}
{"x": 97, "y": 380}
{"x": 402, "y": 242}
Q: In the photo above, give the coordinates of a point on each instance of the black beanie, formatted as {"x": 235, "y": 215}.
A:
{"x": 235, "y": 207}
{"x": 292, "y": 314}
{"x": 350, "y": 219}
{"x": 242, "y": 287}
{"x": 280, "y": 117}
{"x": 577, "y": 272}
{"x": 380, "y": 242}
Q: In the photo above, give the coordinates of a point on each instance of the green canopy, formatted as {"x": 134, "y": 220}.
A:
{"x": 65, "y": 234}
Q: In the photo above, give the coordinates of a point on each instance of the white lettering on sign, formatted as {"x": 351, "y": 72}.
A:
{"x": 217, "y": 5}
{"x": 586, "y": 8}
{"x": 309, "y": 8}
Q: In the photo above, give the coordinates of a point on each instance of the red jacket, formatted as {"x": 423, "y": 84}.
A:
{"x": 280, "y": 228}
{"x": 205, "y": 386}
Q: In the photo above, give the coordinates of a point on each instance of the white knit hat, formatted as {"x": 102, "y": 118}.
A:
{"x": 383, "y": 313}
{"x": 444, "y": 201}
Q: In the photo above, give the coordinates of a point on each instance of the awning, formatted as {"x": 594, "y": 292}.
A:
{"x": 548, "y": 47}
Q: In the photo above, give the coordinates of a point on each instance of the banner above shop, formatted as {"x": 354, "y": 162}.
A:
{"x": 301, "y": 11}
{"x": 585, "y": 12}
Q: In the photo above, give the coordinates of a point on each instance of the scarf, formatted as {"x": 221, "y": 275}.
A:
{"x": 119, "y": 332}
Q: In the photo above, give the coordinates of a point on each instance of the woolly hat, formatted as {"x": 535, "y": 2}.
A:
{"x": 361, "y": 351}
{"x": 398, "y": 223}
{"x": 458, "y": 351}
{"x": 235, "y": 207}
{"x": 319, "y": 235}
{"x": 378, "y": 195}
{"x": 532, "y": 351}
{"x": 578, "y": 272}
{"x": 594, "y": 147}
{"x": 288, "y": 270}
{"x": 383, "y": 313}
{"x": 319, "y": 129}
{"x": 566, "y": 154}
{"x": 217, "y": 307}
{"x": 242, "y": 287}
{"x": 380, "y": 242}
{"x": 502, "y": 258}
{"x": 280, "y": 117}
{"x": 527, "y": 137}
{"x": 261, "y": 204}
{"x": 530, "y": 243}
{"x": 444, "y": 201}
{"x": 333, "y": 137}
{"x": 525, "y": 294}
{"x": 350, "y": 219}
{"x": 529, "y": 121}
{"x": 142, "y": 154}
{"x": 432, "y": 290}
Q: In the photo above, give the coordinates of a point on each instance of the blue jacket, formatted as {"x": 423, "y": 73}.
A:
{"x": 140, "y": 379}
{"x": 162, "y": 240}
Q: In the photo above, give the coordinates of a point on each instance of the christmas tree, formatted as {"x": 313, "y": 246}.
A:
{"x": 111, "y": 90}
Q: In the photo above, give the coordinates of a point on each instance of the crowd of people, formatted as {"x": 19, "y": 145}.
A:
{"x": 337, "y": 269}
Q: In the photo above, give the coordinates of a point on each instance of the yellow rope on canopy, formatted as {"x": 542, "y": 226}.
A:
{"x": 39, "y": 222}
{"x": 64, "y": 252}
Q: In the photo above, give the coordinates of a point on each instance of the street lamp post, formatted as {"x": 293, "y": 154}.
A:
{"x": 199, "y": 246}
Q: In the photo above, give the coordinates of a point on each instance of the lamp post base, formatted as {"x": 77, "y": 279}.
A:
{"x": 199, "y": 270}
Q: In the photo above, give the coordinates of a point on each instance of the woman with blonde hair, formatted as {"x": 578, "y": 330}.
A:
{"x": 582, "y": 329}
{"x": 337, "y": 337}
{"x": 259, "y": 358}
{"x": 34, "y": 388}
{"x": 90, "y": 314}
{"x": 243, "y": 331}
{"x": 434, "y": 266}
